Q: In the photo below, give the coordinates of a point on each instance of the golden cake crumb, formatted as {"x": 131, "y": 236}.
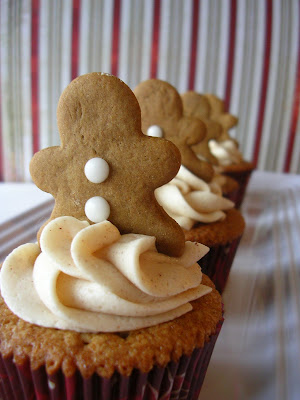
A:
{"x": 220, "y": 232}
{"x": 244, "y": 166}
{"x": 105, "y": 353}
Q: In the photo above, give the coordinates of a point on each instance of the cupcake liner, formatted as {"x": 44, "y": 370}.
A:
{"x": 177, "y": 381}
{"x": 216, "y": 264}
{"x": 234, "y": 196}
{"x": 242, "y": 177}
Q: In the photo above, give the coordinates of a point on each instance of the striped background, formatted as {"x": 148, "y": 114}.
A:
{"x": 245, "y": 51}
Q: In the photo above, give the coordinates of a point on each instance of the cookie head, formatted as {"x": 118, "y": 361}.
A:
{"x": 162, "y": 108}
{"x": 197, "y": 105}
{"x": 105, "y": 167}
{"x": 218, "y": 114}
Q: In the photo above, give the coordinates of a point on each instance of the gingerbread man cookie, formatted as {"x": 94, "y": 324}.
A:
{"x": 196, "y": 105}
{"x": 162, "y": 115}
{"x": 106, "y": 168}
{"x": 218, "y": 114}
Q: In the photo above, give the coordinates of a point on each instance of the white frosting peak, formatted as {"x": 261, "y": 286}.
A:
{"x": 226, "y": 152}
{"x": 188, "y": 200}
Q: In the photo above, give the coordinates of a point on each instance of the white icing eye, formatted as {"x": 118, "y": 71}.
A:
{"x": 155, "y": 130}
{"x": 96, "y": 170}
{"x": 97, "y": 209}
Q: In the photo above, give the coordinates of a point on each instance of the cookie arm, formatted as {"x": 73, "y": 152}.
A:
{"x": 199, "y": 167}
{"x": 203, "y": 150}
{"x": 43, "y": 169}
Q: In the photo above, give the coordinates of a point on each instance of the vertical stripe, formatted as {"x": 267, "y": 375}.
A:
{"x": 165, "y": 51}
{"x": 184, "y": 53}
{"x": 126, "y": 47}
{"x": 249, "y": 125}
{"x": 54, "y": 69}
{"x": 84, "y": 38}
{"x": 295, "y": 109}
{"x": 136, "y": 29}
{"x": 24, "y": 62}
{"x": 35, "y": 73}
{"x": 15, "y": 86}
{"x": 8, "y": 117}
{"x": 273, "y": 142}
{"x": 203, "y": 43}
{"x": 231, "y": 48}
{"x": 214, "y": 46}
{"x": 105, "y": 44}
{"x": 155, "y": 39}
{"x": 95, "y": 28}
{"x": 75, "y": 39}
{"x": 147, "y": 40}
{"x": 45, "y": 66}
{"x": 265, "y": 78}
{"x": 1, "y": 146}
{"x": 194, "y": 44}
{"x": 66, "y": 41}
{"x": 282, "y": 93}
{"x": 116, "y": 38}
{"x": 224, "y": 21}
{"x": 239, "y": 83}
{"x": 174, "y": 42}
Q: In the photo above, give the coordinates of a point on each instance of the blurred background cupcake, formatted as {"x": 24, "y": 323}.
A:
{"x": 192, "y": 198}
{"x": 198, "y": 106}
{"x": 226, "y": 149}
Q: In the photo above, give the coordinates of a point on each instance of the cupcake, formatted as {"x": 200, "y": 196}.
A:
{"x": 196, "y": 105}
{"x": 225, "y": 148}
{"x": 193, "y": 198}
{"x": 110, "y": 302}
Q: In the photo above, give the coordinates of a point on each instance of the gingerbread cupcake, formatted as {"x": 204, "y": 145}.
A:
{"x": 110, "y": 302}
{"x": 192, "y": 198}
{"x": 198, "y": 106}
{"x": 226, "y": 150}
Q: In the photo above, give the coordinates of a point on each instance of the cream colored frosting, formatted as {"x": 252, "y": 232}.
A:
{"x": 188, "y": 199}
{"x": 226, "y": 152}
{"x": 90, "y": 278}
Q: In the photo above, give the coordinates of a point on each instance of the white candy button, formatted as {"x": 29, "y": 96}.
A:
{"x": 96, "y": 170}
{"x": 97, "y": 209}
{"x": 155, "y": 130}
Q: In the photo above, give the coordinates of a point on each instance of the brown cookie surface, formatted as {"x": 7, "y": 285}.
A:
{"x": 99, "y": 118}
{"x": 197, "y": 105}
{"x": 161, "y": 105}
{"x": 218, "y": 114}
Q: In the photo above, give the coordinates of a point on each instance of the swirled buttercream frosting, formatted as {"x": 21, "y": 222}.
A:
{"x": 90, "y": 278}
{"x": 226, "y": 152}
{"x": 188, "y": 199}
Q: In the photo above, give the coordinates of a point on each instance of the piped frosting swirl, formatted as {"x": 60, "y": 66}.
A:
{"x": 188, "y": 199}
{"x": 90, "y": 278}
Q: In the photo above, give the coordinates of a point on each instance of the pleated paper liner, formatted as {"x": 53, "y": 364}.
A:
{"x": 234, "y": 196}
{"x": 216, "y": 264}
{"x": 178, "y": 380}
{"x": 242, "y": 177}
